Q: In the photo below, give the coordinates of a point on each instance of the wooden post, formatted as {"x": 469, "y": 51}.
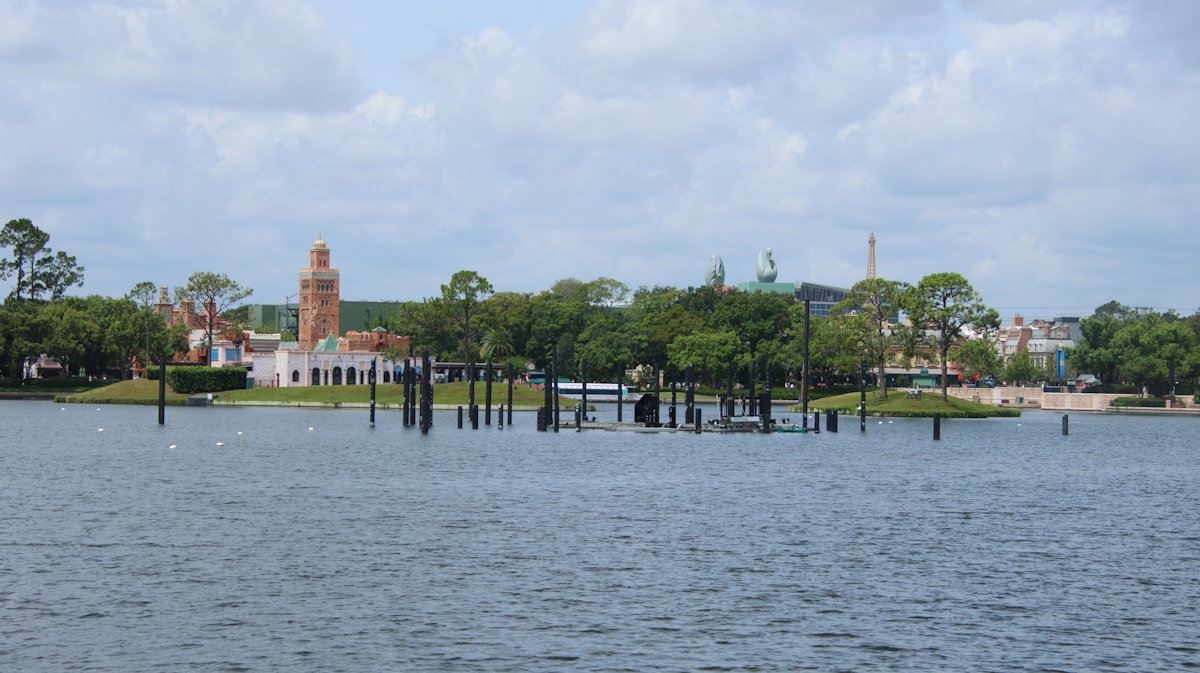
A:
{"x": 804, "y": 373}
{"x": 371, "y": 377}
{"x": 937, "y": 427}
{"x": 510, "y": 385}
{"x": 162, "y": 391}
{"x": 487, "y": 396}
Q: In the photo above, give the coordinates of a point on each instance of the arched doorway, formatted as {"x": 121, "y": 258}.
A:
{"x": 351, "y": 376}
{"x": 337, "y": 376}
{"x": 295, "y": 376}
{"x": 316, "y": 376}
{"x": 387, "y": 376}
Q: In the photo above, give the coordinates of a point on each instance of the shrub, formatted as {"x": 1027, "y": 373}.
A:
{"x": 191, "y": 379}
{"x": 1138, "y": 402}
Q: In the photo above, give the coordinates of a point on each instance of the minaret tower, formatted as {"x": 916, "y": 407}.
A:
{"x": 871, "y": 257}
{"x": 319, "y": 292}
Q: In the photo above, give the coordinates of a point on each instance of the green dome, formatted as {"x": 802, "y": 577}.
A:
{"x": 328, "y": 345}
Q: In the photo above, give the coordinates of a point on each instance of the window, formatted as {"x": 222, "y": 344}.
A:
{"x": 351, "y": 376}
{"x": 337, "y": 376}
{"x": 295, "y": 376}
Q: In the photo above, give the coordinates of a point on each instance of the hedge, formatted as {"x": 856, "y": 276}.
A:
{"x": 188, "y": 380}
{"x": 1138, "y": 402}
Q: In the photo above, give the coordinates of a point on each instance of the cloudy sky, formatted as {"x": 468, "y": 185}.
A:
{"x": 1048, "y": 150}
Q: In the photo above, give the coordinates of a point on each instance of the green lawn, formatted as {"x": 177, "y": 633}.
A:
{"x": 141, "y": 391}
{"x": 146, "y": 392}
{"x": 897, "y": 404}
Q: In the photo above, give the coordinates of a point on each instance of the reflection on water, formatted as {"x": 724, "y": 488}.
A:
{"x": 1004, "y": 546}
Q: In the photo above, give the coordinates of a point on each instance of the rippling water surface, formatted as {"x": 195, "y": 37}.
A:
{"x": 309, "y": 542}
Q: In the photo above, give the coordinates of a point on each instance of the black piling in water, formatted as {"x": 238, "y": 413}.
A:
{"x": 689, "y": 394}
{"x": 804, "y": 373}
{"x": 556, "y": 370}
{"x": 578, "y": 419}
{"x": 697, "y": 421}
{"x": 500, "y": 418}
{"x": 583, "y": 376}
{"x": 817, "y": 420}
{"x": 657, "y": 394}
{"x": 753, "y": 396}
{"x": 510, "y": 385}
{"x": 620, "y": 391}
{"x": 547, "y": 389}
{"x": 671, "y": 419}
{"x": 471, "y": 386}
{"x": 937, "y": 427}
{"x": 460, "y": 417}
{"x": 487, "y": 396}
{"x": 371, "y": 378}
{"x": 162, "y": 391}
{"x": 765, "y": 412}
{"x": 730, "y": 400}
{"x": 426, "y": 394}
{"x": 862, "y": 403}
{"x": 1066, "y": 425}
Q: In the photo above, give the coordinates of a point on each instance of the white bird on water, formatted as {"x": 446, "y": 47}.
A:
{"x": 239, "y": 432}
{"x": 171, "y": 446}
{"x": 310, "y": 429}
{"x": 220, "y": 443}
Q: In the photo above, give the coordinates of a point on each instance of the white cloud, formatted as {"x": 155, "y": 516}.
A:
{"x": 634, "y": 142}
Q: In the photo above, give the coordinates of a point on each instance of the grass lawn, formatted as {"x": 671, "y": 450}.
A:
{"x": 146, "y": 392}
{"x": 929, "y": 404}
{"x": 141, "y": 391}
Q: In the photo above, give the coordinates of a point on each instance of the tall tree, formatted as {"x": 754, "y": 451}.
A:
{"x": 27, "y": 243}
{"x": 142, "y": 295}
{"x": 943, "y": 304}
{"x": 213, "y": 292}
{"x": 1020, "y": 369}
{"x": 462, "y": 297}
{"x": 56, "y": 274}
{"x": 864, "y": 313}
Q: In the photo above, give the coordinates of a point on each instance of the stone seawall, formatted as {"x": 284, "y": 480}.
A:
{"x": 1034, "y": 398}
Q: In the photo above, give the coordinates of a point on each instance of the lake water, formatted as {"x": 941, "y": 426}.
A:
{"x": 310, "y": 542}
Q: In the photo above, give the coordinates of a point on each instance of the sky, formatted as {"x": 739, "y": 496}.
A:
{"x": 1045, "y": 149}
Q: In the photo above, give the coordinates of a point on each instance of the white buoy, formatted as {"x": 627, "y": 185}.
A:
{"x": 100, "y": 430}
{"x": 220, "y": 443}
{"x": 310, "y": 429}
{"x": 239, "y": 432}
{"x": 171, "y": 446}
{"x": 63, "y": 409}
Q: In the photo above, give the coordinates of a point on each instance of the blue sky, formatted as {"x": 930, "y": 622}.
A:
{"x": 1046, "y": 150}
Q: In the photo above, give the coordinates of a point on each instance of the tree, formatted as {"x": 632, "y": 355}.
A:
{"x": 55, "y": 275}
{"x": 710, "y": 352}
{"x": 944, "y": 303}
{"x": 978, "y": 357}
{"x": 1150, "y": 345}
{"x": 142, "y": 295}
{"x": 864, "y": 314}
{"x": 1020, "y": 369}
{"x": 27, "y": 243}
{"x": 462, "y": 297}
{"x": 1096, "y": 354}
{"x": 496, "y": 344}
{"x": 213, "y": 292}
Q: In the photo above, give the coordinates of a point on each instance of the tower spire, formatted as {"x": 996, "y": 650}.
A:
{"x": 871, "y": 257}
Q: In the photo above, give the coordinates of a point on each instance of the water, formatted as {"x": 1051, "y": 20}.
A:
{"x": 1003, "y": 547}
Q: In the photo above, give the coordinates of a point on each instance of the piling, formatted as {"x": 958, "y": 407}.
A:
{"x": 583, "y": 376}
{"x": 460, "y": 417}
{"x": 371, "y": 377}
{"x": 689, "y": 394}
{"x": 578, "y": 419}
{"x": 765, "y": 411}
{"x": 804, "y": 374}
{"x": 556, "y": 370}
{"x": 937, "y": 427}
{"x": 1066, "y": 425}
{"x": 753, "y": 397}
{"x": 426, "y": 394}
{"x": 657, "y": 393}
{"x": 162, "y": 391}
{"x": 620, "y": 390}
{"x": 862, "y": 404}
{"x": 471, "y": 387}
{"x": 510, "y": 385}
{"x": 500, "y": 418}
{"x": 475, "y": 417}
{"x": 697, "y": 420}
{"x": 487, "y": 396}
{"x": 817, "y": 420}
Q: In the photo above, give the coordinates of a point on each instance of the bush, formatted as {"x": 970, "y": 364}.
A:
{"x": 1114, "y": 389}
{"x": 191, "y": 379}
{"x": 1138, "y": 402}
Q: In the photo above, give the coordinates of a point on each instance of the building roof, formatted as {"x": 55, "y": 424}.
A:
{"x": 328, "y": 345}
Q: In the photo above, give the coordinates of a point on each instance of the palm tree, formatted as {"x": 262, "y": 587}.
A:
{"x": 496, "y": 344}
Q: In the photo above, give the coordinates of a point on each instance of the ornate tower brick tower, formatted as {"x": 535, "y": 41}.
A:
{"x": 319, "y": 292}
{"x": 871, "y": 257}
